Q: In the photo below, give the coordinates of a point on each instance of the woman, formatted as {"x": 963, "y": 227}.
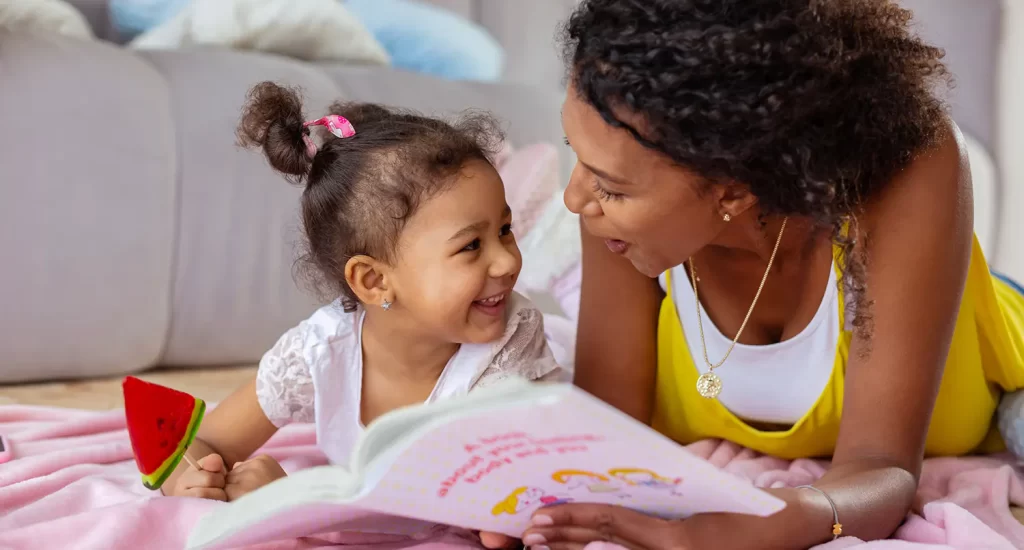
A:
{"x": 785, "y": 165}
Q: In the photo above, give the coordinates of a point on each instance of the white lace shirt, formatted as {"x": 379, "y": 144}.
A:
{"x": 314, "y": 372}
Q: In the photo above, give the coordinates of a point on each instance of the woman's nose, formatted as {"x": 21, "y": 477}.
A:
{"x": 578, "y": 199}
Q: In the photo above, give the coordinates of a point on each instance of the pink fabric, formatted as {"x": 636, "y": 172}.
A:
{"x": 73, "y": 485}
{"x": 531, "y": 179}
{"x": 73, "y": 479}
{"x": 966, "y": 501}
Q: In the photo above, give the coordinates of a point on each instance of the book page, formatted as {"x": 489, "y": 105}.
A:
{"x": 492, "y": 469}
{"x": 303, "y": 504}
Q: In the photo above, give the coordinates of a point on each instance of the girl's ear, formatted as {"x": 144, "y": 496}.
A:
{"x": 367, "y": 278}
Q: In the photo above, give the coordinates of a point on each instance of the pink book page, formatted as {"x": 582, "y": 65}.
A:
{"x": 492, "y": 470}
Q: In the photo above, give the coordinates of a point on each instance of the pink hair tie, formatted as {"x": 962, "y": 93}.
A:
{"x": 337, "y": 124}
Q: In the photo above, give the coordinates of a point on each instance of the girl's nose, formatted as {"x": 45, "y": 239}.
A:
{"x": 505, "y": 263}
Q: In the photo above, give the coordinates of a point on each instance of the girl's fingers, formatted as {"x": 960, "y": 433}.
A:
{"x": 201, "y": 480}
{"x": 207, "y": 493}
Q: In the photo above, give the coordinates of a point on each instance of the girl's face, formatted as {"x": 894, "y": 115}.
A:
{"x": 457, "y": 260}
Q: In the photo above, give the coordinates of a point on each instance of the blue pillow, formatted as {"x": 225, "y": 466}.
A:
{"x": 418, "y": 36}
{"x": 427, "y": 39}
{"x": 131, "y": 18}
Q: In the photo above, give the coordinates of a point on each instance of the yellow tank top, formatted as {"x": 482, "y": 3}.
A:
{"x": 986, "y": 358}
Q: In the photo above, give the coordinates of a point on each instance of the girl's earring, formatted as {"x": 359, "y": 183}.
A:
{"x": 385, "y": 304}
{"x": 726, "y": 217}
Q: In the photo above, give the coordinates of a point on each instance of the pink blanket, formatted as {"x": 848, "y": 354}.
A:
{"x": 73, "y": 485}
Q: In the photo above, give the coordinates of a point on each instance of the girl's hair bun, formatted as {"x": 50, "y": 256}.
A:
{"x": 272, "y": 120}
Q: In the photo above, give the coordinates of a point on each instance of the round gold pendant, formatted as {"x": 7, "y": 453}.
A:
{"x": 709, "y": 385}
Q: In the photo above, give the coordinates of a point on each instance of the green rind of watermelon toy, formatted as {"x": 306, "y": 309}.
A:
{"x": 162, "y": 423}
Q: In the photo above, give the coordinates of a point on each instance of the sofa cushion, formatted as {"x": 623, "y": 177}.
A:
{"x": 87, "y": 161}
{"x": 234, "y": 293}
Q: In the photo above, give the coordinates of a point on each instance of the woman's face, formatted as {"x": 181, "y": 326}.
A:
{"x": 646, "y": 208}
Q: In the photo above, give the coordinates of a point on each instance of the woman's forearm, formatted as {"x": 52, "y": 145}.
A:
{"x": 871, "y": 498}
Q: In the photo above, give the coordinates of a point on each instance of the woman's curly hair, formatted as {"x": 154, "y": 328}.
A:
{"x": 814, "y": 104}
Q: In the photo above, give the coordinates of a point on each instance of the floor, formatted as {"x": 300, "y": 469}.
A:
{"x": 210, "y": 384}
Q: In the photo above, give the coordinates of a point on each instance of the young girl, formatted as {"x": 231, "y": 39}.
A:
{"x": 406, "y": 223}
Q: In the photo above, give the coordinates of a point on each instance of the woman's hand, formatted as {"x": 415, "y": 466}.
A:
{"x": 574, "y": 525}
{"x": 252, "y": 474}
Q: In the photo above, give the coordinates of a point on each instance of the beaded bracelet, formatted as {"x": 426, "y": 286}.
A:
{"x": 837, "y": 528}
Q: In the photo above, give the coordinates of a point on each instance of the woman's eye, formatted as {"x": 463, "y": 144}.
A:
{"x": 506, "y": 230}
{"x": 475, "y": 245}
{"x": 566, "y": 140}
{"x": 604, "y": 194}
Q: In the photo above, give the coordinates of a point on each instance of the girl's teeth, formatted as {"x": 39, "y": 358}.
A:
{"x": 492, "y": 300}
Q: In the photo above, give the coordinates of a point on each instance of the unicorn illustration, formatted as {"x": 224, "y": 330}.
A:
{"x": 526, "y": 498}
{"x": 595, "y": 483}
{"x": 639, "y": 477}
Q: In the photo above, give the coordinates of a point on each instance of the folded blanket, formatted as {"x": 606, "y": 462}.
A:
{"x": 73, "y": 479}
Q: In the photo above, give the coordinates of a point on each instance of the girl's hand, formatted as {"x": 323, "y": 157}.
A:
{"x": 252, "y": 474}
{"x": 208, "y": 483}
{"x": 574, "y": 525}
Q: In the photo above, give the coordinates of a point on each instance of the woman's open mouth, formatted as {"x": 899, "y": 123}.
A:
{"x": 617, "y": 246}
{"x": 492, "y": 305}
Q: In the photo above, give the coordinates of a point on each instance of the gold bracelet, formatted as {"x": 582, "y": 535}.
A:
{"x": 837, "y": 528}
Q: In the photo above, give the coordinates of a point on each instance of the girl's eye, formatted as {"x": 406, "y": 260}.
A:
{"x": 566, "y": 140}
{"x": 475, "y": 245}
{"x": 506, "y": 230}
{"x": 606, "y": 195}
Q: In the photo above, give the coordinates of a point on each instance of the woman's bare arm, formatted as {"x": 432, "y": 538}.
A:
{"x": 919, "y": 249}
{"x": 616, "y": 343}
{"x": 920, "y": 234}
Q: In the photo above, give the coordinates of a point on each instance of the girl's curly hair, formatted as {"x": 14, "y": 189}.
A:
{"x": 814, "y": 104}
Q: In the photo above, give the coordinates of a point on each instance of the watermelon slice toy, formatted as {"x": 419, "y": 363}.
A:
{"x": 162, "y": 423}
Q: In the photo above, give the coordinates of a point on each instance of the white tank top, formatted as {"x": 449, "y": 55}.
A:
{"x": 775, "y": 383}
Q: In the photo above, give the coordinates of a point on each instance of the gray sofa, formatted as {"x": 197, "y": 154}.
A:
{"x": 133, "y": 232}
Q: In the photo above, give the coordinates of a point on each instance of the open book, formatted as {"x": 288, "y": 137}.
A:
{"x": 485, "y": 461}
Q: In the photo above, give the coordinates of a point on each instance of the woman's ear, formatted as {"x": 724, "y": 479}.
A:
{"x": 368, "y": 280}
{"x": 734, "y": 199}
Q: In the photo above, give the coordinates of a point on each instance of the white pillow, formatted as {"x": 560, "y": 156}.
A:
{"x": 312, "y": 30}
{"x": 52, "y": 16}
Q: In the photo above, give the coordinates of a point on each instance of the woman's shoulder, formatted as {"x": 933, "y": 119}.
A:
{"x": 937, "y": 178}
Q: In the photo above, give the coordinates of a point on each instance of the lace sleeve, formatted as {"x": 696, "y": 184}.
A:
{"x": 284, "y": 386}
{"x": 524, "y": 352}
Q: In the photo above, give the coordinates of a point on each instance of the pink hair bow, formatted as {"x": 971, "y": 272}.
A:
{"x": 336, "y": 124}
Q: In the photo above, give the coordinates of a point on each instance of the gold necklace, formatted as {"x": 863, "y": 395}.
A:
{"x": 709, "y": 385}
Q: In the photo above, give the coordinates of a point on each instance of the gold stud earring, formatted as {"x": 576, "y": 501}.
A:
{"x": 727, "y": 217}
